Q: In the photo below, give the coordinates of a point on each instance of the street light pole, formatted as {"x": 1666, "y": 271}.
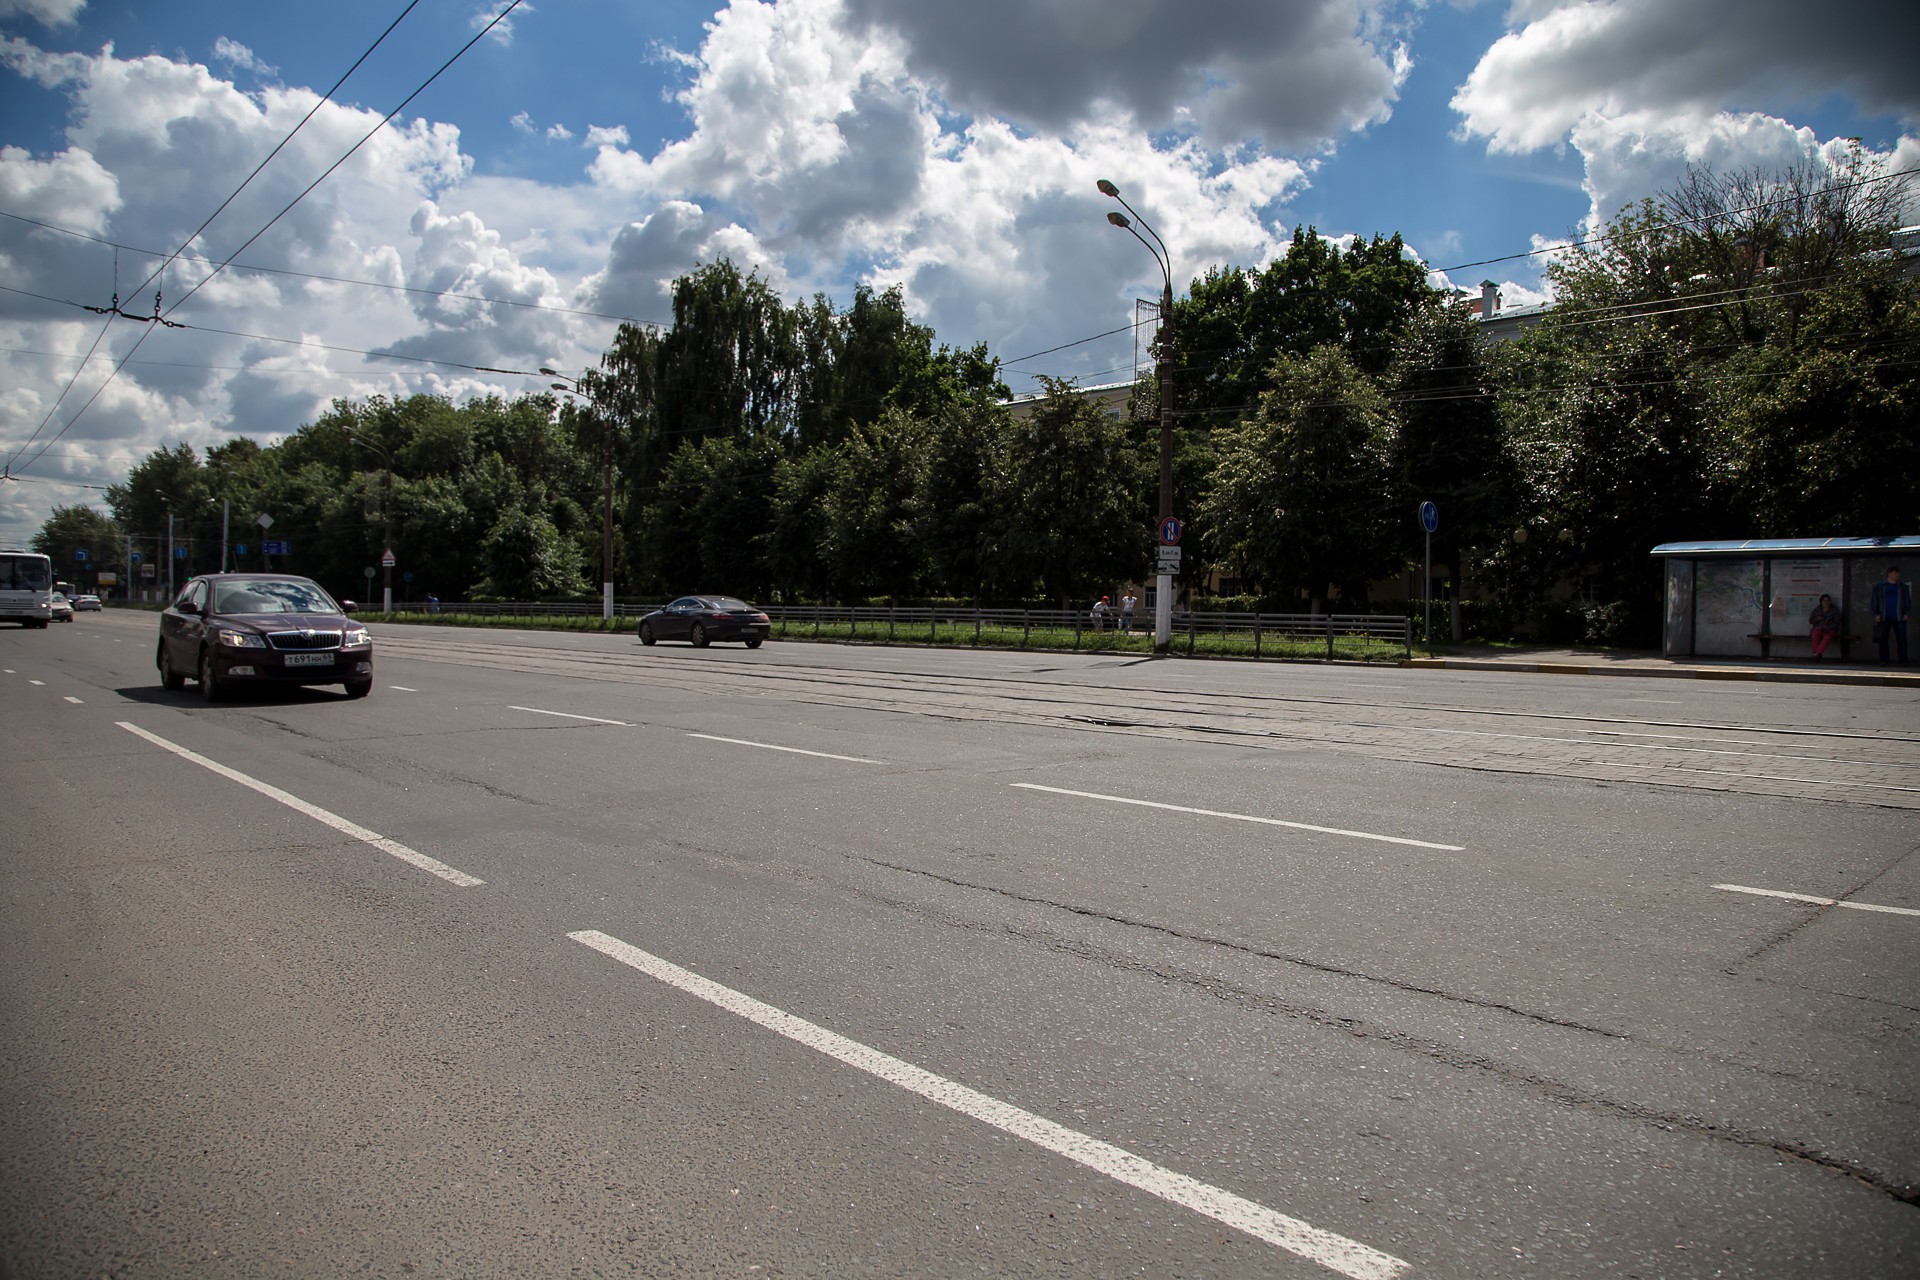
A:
{"x": 571, "y": 387}
{"x": 1163, "y": 384}
{"x": 386, "y": 517}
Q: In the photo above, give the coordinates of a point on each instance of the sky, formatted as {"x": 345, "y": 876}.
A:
{"x": 562, "y": 171}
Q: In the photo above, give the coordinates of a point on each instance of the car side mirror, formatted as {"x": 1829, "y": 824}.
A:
{"x": 348, "y": 606}
{"x": 187, "y": 606}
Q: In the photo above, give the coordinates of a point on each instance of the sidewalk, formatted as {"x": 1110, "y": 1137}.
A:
{"x": 1630, "y": 662}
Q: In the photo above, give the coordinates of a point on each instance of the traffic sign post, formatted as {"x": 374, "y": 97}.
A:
{"x": 386, "y": 591}
{"x": 1429, "y": 521}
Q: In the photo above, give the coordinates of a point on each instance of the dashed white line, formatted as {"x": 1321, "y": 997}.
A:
{"x": 41, "y": 683}
{"x": 1818, "y": 901}
{"x": 1335, "y": 1252}
{"x": 75, "y": 701}
{"x": 402, "y": 688}
{"x": 566, "y": 715}
{"x": 314, "y": 811}
{"x": 768, "y": 746}
{"x": 1242, "y": 817}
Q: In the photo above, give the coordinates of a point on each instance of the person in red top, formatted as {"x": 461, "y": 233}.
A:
{"x": 1823, "y": 625}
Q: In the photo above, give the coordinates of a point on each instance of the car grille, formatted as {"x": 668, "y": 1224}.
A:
{"x": 300, "y": 640}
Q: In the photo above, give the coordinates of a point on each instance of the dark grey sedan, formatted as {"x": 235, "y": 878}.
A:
{"x": 701, "y": 620}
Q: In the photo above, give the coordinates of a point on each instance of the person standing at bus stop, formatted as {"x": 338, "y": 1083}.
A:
{"x": 1892, "y": 607}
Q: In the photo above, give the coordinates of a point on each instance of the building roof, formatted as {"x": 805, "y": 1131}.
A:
{"x": 1787, "y": 546}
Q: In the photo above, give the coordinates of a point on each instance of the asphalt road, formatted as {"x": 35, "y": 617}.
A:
{"x": 561, "y": 956}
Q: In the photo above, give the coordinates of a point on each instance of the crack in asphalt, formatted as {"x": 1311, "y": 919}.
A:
{"x": 1242, "y": 996}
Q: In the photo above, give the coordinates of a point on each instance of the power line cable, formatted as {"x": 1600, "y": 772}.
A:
{"x": 107, "y": 322}
{"x": 478, "y": 36}
{"x": 327, "y": 279}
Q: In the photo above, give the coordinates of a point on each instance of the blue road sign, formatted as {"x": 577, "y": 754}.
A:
{"x": 277, "y": 548}
{"x": 240, "y": 549}
{"x": 1170, "y": 531}
{"x": 179, "y": 553}
{"x": 1429, "y": 517}
{"x": 136, "y": 557}
{"x": 407, "y": 576}
{"x": 79, "y": 555}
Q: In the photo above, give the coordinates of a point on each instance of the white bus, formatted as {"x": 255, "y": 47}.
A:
{"x": 26, "y": 588}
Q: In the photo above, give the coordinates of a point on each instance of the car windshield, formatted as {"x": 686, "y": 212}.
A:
{"x": 272, "y": 597}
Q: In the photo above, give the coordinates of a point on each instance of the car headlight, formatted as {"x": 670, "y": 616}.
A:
{"x": 242, "y": 640}
{"x": 354, "y": 637}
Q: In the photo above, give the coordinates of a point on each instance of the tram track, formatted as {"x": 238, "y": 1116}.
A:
{"x": 1835, "y": 765}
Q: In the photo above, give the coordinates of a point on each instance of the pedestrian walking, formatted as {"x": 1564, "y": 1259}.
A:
{"x": 1892, "y": 607}
{"x": 1127, "y": 602}
{"x": 1099, "y": 615}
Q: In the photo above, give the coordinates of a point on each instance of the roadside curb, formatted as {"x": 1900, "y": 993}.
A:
{"x": 1790, "y": 675}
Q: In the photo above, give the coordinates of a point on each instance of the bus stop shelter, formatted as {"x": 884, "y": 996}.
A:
{"x": 1751, "y": 599}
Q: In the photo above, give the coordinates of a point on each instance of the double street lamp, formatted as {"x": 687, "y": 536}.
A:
{"x": 571, "y": 387}
{"x": 1163, "y": 382}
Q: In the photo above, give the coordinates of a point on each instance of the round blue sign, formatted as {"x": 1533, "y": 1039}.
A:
{"x": 136, "y": 557}
{"x": 1429, "y": 517}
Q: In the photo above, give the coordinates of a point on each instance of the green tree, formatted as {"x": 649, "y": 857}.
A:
{"x": 527, "y": 558}
{"x": 1075, "y": 497}
{"x": 869, "y": 548}
{"x": 954, "y": 512}
{"x": 80, "y": 529}
{"x": 1453, "y": 448}
{"x": 1303, "y": 492}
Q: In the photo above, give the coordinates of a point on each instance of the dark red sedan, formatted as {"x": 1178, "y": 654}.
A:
{"x": 229, "y": 630}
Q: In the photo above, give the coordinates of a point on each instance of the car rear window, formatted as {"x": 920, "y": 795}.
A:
{"x": 727, "y": 604}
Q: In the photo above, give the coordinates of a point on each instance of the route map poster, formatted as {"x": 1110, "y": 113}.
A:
{"x": 1728, "y": 607}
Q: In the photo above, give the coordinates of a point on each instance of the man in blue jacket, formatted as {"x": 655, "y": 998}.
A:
{"x": 1892, "y": 606}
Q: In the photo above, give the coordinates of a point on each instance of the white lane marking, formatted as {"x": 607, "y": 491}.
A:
{"x": 1335, "y": 1252}
{"x": 1824, "y": 902}
{"x": 8, "y": 670}
{"x": 1242, "y": 817}
{"x": 768, "y": 746}
{"x": 314, "y": 811}
{"x": 41, "y": 683}
{"x": 564, "y": 715}
{"x": 75, "y": 701}
{"x": 402, "y": 688}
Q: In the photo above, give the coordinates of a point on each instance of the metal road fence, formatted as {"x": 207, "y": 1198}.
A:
{"x": 1301, "y": 636}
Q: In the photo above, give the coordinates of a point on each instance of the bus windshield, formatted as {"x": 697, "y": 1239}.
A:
{"x": 20, "y": 571}
{"x": 26, "y": 588}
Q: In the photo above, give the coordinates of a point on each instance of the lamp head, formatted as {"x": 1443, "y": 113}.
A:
{"x": 559, "y": 386}
{"x": 1119, "y": 219}
{"x": 551, "y": 373}
{"x": 1108, "y": 189}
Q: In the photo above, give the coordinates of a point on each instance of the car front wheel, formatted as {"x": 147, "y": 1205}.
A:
{"x": 210, "y": 688}
{"x": 646, "y": 633}
{"x": 169, "y": 678}
{"x": 359, "y": 688}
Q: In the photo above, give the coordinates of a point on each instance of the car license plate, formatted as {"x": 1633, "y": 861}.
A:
{"x": 308, "y": 659}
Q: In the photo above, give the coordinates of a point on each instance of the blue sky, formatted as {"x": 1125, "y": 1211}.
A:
{"x": 576, "y": 160}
